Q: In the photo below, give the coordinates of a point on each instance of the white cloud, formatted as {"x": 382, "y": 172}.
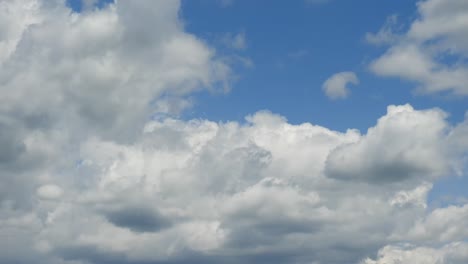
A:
{"x": 202, "y": 191}
{"x": 441, "y": 225}
{"x": 335, "y": 87}
{"x": 420, "y": 55}
{"x": 88, "y": 177}
{"x": 396, "y": 149}
{"x": 417, "y": 196}
{"x": 85, "y": 64}
{"x": 49, "y": 191}
{"x": 454, "y": 253}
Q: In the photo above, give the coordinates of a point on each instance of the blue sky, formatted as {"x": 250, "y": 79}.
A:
{"x": 326, "y": 38}
{"x": 330, "y": 38}
{"x": 294, "y": 48}
{"x": 233, "y": 131}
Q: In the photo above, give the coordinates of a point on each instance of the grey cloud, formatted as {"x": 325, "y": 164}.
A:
{"x": 232, "y": 193}
{"x": 396, "y": 149}
{"x": 99, "y": 77}
{"x": 11, "y": 144}
{"x": 452, "y": 253}
{"x": 138, "y": 219}
{"x": 88, "y": 178}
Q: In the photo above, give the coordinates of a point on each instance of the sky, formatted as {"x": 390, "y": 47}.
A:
{"x": 233, "y": 131}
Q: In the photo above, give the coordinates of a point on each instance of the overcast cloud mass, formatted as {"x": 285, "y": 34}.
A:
{"x": 96, "y": 167}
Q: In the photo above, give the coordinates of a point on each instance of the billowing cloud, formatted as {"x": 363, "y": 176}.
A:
{"x": 396, "y": 149}
{"x": 454, "y": 253}
{"x": 335, "y": 87}
{"x": 423, "y": 53}
{"x": 261, "y": 191}
{"x": 93, "y": 169}
{"x": 102, "y": 68}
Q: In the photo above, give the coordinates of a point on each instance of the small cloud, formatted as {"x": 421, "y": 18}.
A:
{"x": 235, "y": 41}
{"x": 49, "y": 192}
{"x": 316, "y": 2}
{"x": 138, "y": 219}
{"x": 298, "y": 54}
{"x": 226, "y": 3}
{"x": 243, "y": 61}
{"x": 335, "y": 87}
{"x": 387, "y": 34}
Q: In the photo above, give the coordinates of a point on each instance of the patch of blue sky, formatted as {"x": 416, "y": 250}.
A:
{"x": 294, "y": 48}
{"x": 78, "y": 5}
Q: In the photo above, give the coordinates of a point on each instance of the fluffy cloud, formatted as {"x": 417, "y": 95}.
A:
{"x": 263, "y": 191}
{"x": 102, "y": 68}
{"x": 453, "y": 253}
{"x": 424, "y": 52}
{"x": 89, "y": 173}
{"x": 396, "y": 149}
{"x": 335, "y": 87}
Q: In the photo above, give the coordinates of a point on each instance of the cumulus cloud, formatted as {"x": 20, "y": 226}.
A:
{"x": 335, "y": 87}
{"x": 396, "y": 149}
{"x": 94, "y": 170}
{"x": 454, "y": 253}
{"x": 85, "y": 63}
{"x": 421, "y": 54}
{"x": 265, "y": 190}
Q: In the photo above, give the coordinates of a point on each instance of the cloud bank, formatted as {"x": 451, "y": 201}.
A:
{"x": 89, "y": 175}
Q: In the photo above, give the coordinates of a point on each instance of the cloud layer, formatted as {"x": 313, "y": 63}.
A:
{"x": 94, "y": 170}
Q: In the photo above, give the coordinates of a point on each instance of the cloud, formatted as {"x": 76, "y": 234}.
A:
{"x": 335, "y": 87}
{"x": 388, "y": 34}
{"x": 298, "y": 54}
{"x": 262, "y": 191}
{"x": 316, "y": 2}
{"x": 96, "y": 168}
{"x": 235, "y": 41}
{"x": 137, "y": 219}
{"x": 85, "y": 63}
{"x": 396, "y": 149}
{"x": 226, "y": 3}
{"x": 49, "y": 191}
{"x": 423, "y": 53}
{"x": 441, "y": 225}
{"x": 454, "y": 253}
